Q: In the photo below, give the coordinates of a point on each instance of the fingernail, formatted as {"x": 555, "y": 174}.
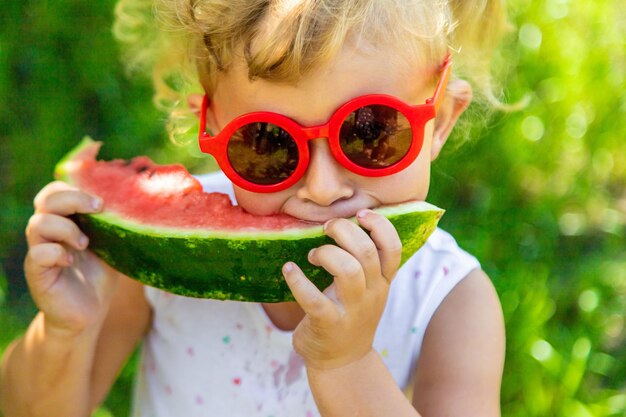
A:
{"x": 83, "y": 241}
{"x": 70, "y": 258}
{"x": 96, "y": 203}
{"x": 312, "y": 253}
{"x": 362, "y": 213}
{"x": 288, "y": 267}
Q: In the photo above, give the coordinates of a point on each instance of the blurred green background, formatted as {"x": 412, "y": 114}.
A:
{"x": 539, "y": 196}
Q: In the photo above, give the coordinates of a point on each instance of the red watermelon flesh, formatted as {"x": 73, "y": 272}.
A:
{"x": 163, "y": 195}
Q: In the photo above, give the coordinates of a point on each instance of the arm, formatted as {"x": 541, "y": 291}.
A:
{"x": 44, "y": 372}
{"x": 458, "y": 373}
{"x": 85, "y": 309}
{"x": 362, "y": 388}
{"x": 49, "y": 372}
{"x": 127, "y": 323}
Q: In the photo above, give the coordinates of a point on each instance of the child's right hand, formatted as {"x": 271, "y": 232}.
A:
{"x": 70, "y": 285}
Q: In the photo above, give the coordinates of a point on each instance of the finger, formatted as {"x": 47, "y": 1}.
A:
{"x": 357, "y": 242}
{"x": 51, "y": 188}
{"x": 56, "y": 199}
{"x": 44, "y": 228}
{"x": 348, "y": 272}
{"x": 41, "y": 259}
{"x": 309, "y": 297}
{"x": 386, "y": 239}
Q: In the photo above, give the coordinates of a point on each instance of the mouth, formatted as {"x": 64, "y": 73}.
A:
{"x": 311, "y": 212}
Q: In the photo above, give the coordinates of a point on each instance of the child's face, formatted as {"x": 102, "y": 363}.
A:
{"x": 329, "y": 190}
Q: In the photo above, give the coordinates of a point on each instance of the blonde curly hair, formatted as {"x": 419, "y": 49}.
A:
{"x": 183, "y": 44}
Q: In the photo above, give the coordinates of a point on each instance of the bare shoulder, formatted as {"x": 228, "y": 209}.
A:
{"x": 128, "y": 321}
{"x": 459, "y": 371}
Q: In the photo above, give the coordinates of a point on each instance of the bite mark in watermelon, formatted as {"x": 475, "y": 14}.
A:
{"x": 160, "y": 228}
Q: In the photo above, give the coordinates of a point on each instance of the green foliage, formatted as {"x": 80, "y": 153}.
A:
{"x": 539, "y": 196}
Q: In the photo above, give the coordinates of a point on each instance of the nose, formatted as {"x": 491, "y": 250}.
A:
{"x": 325, "y": 180}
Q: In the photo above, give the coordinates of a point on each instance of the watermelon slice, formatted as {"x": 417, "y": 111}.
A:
{"x": 160, "y": 228}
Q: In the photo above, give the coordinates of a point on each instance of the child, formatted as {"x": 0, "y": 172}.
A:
{"x": 435, "y": 324}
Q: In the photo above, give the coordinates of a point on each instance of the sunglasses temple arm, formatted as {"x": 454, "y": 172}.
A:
{"x": 203, "y": 109}
{"x": 443, "y": 83}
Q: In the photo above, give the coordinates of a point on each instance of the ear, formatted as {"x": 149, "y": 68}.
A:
{"x": 458, "y": 98}
{"x": 195, "y": 104}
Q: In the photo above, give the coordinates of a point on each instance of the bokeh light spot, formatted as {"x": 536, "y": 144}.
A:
{"x": 603, "y": 162}
{"x": 612, "y": 220}
{"x": 589, "y": 300}
{"x": 557, "y": 9}
{"x": 616, "y": 403}
{"x": 581, "y": 348}
{"x": 614, "y": 326}
{"x": 530, "y": 36}
{"x": 551, "y": 90}
{"x": 541, "y": 350}
{"x": 532, "y": 128}
{"x": 572, "y": 224}
{"x": 576, "y": 124}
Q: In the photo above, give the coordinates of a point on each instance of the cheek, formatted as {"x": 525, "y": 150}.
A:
{"x": 418, "y": 174}
{"x": 260, "y": 203}
{"x": 410, "y": 184}
{"x": 420, "y": 171}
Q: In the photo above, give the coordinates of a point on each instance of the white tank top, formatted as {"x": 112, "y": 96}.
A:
{"x": 226, "y": 359}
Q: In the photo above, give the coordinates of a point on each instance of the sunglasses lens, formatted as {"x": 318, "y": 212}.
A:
{"x": 263, "y": 153}
{"x": 375, "y": 136}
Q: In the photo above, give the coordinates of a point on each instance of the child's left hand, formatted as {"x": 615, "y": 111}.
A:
{"x": 340, "y": 323}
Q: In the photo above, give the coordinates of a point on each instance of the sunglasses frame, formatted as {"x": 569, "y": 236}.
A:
{"x": 417, "y": 115}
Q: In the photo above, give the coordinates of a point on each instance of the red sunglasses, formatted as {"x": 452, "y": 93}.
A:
{"x": 372, "y": 135}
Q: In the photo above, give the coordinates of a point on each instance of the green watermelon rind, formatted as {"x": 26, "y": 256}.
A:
{"x": 240, "y": 269}
{"x": 227, "y": 265}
